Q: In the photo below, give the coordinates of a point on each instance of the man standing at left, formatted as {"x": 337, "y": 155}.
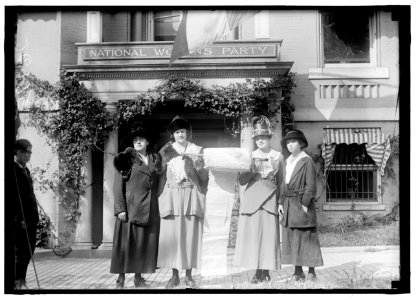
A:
{"x": 25, "y": 211}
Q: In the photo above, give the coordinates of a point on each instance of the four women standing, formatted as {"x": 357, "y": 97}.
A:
{"x": 273, "y": 188}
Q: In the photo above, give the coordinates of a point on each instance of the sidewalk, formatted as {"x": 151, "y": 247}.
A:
{"x": 89, "y": 269}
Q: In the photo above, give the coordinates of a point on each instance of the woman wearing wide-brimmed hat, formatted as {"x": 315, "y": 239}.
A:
{"x": 136, "y": 232}
{"x": 258, "y": 242}
{"x": 300, "y": 243}
{"x": 182, "y": 203}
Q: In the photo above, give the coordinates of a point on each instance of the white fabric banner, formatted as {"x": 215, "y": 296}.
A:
{"x": 218, "y": 208}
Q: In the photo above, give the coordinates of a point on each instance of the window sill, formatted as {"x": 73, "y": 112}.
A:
{"x": 349, "y": 72}
{"x": 355, "y": 207}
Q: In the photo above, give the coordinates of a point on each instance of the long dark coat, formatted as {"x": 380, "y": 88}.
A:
{"x": 24, "y": 199}
{"x": 134, "y": 194}
{"x": 301, "y": 190}
{"x": 299, "y": 233}
{"x": 135, "y": 242}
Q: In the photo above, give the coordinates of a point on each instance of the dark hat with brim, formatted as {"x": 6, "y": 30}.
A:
{"x": 140, "y": 132}
{"x": 294, "y": 135}
{"x": 178, "y": 123}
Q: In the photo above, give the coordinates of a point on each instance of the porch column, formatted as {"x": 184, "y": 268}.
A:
{"x": 83, "y": 232}
{"x": 110, "y": 150}
{"x": 245, "y": 142}
{"x": 276, "y": 121}
{"x": 246, "y": 134}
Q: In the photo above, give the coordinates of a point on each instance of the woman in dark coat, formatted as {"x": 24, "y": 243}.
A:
{"x": 136, "y": 233}
{"x": 297, "y": 206}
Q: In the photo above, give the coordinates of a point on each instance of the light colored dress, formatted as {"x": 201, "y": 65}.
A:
{"x": 257, "y": 244}
{"x": 182, "y": 208}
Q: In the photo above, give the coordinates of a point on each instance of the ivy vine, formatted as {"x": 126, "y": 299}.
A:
{"x": 389, "y": 173}
{"x": 80, "y": 123}
{"x": 237, "y": 101}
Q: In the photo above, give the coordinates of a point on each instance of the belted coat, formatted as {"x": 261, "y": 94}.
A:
{"x": 301, "y": 190}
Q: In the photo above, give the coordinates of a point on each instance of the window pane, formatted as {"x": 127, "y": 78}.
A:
{"x": 347, "y": 36}
{"x": 352, "y": 175}
{"x": 166, "y": 25}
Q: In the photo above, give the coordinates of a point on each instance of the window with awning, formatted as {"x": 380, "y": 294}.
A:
{"x": 353, "y": 157}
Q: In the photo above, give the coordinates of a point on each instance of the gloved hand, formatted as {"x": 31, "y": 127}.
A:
{"x": 199, "y": 163}
{"x": 122, "y": 216}
{"x": 280, "y": 210}
{"x": 189, "y": 164}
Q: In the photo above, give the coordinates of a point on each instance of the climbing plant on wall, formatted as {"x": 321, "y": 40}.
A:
{"x": 235, "y": 101}
{"x": 81, "y": 122}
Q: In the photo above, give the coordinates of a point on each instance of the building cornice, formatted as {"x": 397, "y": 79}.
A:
{"x": 220, "y": 70}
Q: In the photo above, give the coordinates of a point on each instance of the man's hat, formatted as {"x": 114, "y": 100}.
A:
{"x": 261, "y": 126}
{"x": 178, "y": 123}
{"x": 294, "y": 135}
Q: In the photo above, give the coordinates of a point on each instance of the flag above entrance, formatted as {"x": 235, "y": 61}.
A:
{"x": 199, "y": 29}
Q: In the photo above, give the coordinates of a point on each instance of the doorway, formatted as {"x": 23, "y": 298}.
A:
{"x": 208, "y": 130}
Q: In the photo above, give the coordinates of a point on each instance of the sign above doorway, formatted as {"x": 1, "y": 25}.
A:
{"x": 162, "y": 50}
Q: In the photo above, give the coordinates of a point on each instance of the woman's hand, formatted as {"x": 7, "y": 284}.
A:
{"x": 199, "y": 164}
{"x": 122, "y": 216}
{"x": 189, "y": 164}
{"x": 257, "y": 164}
{"x": 305, "y": 209}
{"x": 280, "y": 210}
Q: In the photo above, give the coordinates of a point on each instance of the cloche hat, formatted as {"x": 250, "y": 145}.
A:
{"x": 261, "y": 126}
{"x": 294, "y": 135}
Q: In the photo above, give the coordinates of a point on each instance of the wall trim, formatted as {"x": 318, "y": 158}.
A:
{"x": 350, "y": 72}
{"x": 350, "y": 207}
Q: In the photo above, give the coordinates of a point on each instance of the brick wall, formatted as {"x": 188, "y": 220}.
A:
{"x": 74, "y": 30}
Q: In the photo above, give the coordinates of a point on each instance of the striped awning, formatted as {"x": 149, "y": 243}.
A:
{"x": 377, "y": 144}
{"x": 353, "y": 135}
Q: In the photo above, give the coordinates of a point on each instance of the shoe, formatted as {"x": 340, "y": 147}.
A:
{"x": 139, "y": 282}
{"x": 256, "y": 279}
{"x": 18, "y": 284}
{"x": 312, "y": 277}
{"x": 120, "y": 283}
{"x": 299, "y": 276}
{"x": 24, "y": 286}
{"x": 189, "y": 282}
{"x": 174, "y": 281}
{"x": 266, "y": 278}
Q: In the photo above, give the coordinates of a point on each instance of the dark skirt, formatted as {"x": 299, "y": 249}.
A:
{"x": 135, "y": 247}
{"x": 301, "y": 247}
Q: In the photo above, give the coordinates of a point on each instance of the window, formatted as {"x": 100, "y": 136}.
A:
{"x": 166, "y": 24}
{"x": 347, "y": 36}
{"x": 352, "y": 176}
